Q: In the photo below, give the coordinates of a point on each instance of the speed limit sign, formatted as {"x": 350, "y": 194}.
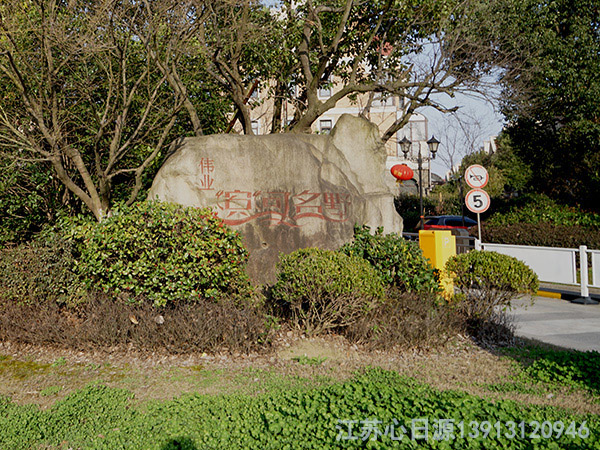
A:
{"x": 477, "y": 200}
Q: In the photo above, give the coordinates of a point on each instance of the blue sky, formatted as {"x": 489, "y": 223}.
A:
{"x": 489, "y": 123}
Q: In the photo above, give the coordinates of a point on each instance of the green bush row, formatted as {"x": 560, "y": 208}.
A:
{"x": 165, "y": 253}
{"x": 541, "y": 234}
{"x": 327, "y": 289}
{"x": 540, "y": 209}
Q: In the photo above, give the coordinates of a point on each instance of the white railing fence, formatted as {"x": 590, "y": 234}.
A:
{"x": 555, "y": 265}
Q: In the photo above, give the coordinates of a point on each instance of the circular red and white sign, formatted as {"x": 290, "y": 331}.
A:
{"x": 477, "y": 200}
{"x": 476, "y": 176}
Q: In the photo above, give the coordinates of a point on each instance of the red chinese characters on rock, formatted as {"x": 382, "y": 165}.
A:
{"x": 207, "y": 167}
{"x": 282, "y": 208}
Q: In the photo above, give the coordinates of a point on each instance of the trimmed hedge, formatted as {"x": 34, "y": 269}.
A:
{"x": 103, "y": 321}
{"x": 540, "y": 234}
{"x": 325, "y": 289}
{"x": 540, "y": 209}
{"x": 493, "y": 271}
{"x": 487, "y": 283}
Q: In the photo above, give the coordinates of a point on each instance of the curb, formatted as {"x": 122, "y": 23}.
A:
{"x": 563, "y": 294}
{"x": 549, "y": 294}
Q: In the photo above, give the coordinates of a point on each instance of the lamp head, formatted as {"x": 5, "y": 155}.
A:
{"x": 433, "y": 145}
{"x": 405, "y": 146}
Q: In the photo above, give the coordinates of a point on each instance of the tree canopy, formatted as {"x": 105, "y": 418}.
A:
{"x": 554, "y": 119}
{"x": 96, "y": 90}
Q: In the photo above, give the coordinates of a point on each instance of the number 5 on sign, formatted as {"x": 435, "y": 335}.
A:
{"x": 478, "y": 201}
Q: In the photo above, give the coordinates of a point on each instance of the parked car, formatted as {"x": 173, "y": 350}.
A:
{"x": 448, "y": 223}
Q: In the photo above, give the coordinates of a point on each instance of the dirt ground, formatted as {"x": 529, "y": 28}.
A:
{"x": 41, "y": 375}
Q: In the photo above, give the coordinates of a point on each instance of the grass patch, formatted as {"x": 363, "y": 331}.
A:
{"x": 106, "y": 418}
{"x": 23, "y": 370}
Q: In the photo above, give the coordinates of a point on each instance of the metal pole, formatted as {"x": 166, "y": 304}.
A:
{"x": 479, "y": 226}
{"x": 462, "y": 203}
{"x": 420, "y": 160}
{"x": 583, "y": 277}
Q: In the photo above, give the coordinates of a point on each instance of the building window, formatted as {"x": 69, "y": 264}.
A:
{"x": 255, "y": 127}
{"x": 325, "y": 126}
{"x": 325, "y": 89}
{"x": 383, "y": 99}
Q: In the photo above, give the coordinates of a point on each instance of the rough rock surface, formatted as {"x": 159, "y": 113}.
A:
{"x": 284, "y": 191}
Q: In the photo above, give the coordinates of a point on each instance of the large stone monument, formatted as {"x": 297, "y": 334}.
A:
{"x": 285, "y": 191}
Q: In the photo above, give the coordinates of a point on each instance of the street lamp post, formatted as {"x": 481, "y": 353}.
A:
{"x": 433, "y": 144}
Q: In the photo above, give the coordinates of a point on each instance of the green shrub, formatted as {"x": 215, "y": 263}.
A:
{"x": 492, "y": 270}
{"x": 163, "y": 252}
{"x": 540, "y": 209}
{"x": 40, "y": 271}
{"x": 408, "y": 206}
{"x": 542, "y": 234}
{"x": 488, "y": 280}
{"x": 398, "y": 262}
{"x": 325, "y": 289}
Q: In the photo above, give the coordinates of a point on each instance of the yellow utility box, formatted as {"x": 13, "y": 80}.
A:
{"x": 438, "y": 246}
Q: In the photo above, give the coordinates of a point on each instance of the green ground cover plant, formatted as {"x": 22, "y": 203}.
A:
{"x": 566, "y": 368}
{"x": 319, "y": 418}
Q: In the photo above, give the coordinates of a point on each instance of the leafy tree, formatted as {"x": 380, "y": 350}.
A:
{"x": 555, "y": 115}
{"x": 97, "y": 89}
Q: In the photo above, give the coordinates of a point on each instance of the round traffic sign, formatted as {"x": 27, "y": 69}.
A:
{"x": 477, "y": 200}
{"x": 476, "y": 176}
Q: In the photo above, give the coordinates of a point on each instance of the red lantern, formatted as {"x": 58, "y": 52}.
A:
{"x": 402, "y": 172}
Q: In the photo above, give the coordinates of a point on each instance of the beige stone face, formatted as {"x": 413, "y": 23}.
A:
{"x": 285, "y": 191}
